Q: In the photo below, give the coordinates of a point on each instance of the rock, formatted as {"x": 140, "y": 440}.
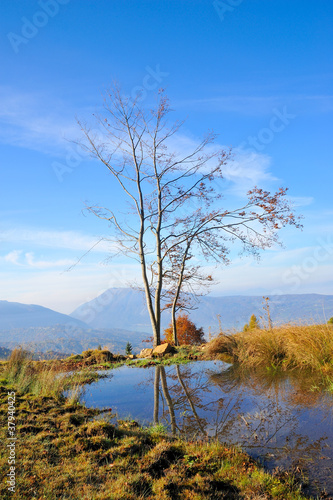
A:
{"x": 146, "y": 353}
{"x": 131, "y": 356}
{"x": 162, "y": 349}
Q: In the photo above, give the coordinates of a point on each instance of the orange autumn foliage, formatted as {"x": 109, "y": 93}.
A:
{"x": 187, "y": 332}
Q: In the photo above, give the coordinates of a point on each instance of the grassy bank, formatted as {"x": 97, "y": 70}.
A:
{"x": 105, "y": 360}
{"x": 42, "y": 378}
{"x": 306, "y": 347}
{"x": 67, "y": 451}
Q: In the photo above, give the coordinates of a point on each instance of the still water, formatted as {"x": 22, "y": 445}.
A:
{"x": 280, "y": 420}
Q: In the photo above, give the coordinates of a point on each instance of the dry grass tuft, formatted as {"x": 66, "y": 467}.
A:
{"x": 32, "y": 376}
{"x": 42, "y": 378}
{"x": 288, "y": 346}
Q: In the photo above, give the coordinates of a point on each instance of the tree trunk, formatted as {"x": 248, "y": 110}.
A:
{"x": 156, "y": 394}
{"x": 174, "y": 323}
{"x": 175, "y": 300}
{"x": 196, "y": 416}
{"x": 168, "y": 400}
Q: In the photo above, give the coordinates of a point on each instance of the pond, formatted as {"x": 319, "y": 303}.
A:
{"x": 280, "y": 420}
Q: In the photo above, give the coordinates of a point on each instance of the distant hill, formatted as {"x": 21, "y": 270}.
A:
{"x": 40, "y": 329}
{"x": 119, "y": 316}
{"x": 125, "y": 308}
{"x": 116, "y": 308}
{"x": 16, "y": 315}
{"x": 56, "y": 338}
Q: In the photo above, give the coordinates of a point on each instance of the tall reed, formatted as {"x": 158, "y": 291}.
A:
{"x": 36, "y": 377}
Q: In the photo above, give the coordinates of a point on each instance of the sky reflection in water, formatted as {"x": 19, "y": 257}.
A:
{"x": 279, "y": 419}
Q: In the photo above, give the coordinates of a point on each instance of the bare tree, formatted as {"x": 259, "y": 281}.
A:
{"x": 174, "y": 213}
{"x": 211, "y": 232}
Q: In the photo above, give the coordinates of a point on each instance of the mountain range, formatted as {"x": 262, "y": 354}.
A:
{"x": 125, "y": 308}
{"x": 119, "y": 316}
{"x": 17, "y": 315}
{"x": 38, "y": 328}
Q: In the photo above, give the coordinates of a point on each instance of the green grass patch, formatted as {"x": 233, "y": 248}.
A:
{"x": 68, "y": 451}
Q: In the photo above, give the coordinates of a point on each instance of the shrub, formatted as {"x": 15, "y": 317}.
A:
{"x": 187, "y": 332}
{"x": 252, "y": 325}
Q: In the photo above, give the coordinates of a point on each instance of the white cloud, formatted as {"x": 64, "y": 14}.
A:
{"x": 13, "y": 257}
{"x": 46, "y": 264}
{"x": 248, "y": 169}
{"x": 30, "y": 120}
{"x": 35, "y": 121}
{"x": 64, "y": 291}
{"x": 244, "y": 170}
{"x": 71, "y": 240}
{"x": 27, "y": 260}
{"x": 300, "y": 270}
{"x": 270, "y": 280}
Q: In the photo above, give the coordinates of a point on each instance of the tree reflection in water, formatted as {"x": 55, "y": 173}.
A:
{"x": 271, "y": 416}
{"x": 185, "y": 404}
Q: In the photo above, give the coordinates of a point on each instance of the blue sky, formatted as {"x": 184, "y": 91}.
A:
{"x": 258, "y": 73}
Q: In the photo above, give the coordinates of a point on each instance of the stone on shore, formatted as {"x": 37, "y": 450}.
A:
{"x": 162, "y": 349}
{"x": 146, "y": 353}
